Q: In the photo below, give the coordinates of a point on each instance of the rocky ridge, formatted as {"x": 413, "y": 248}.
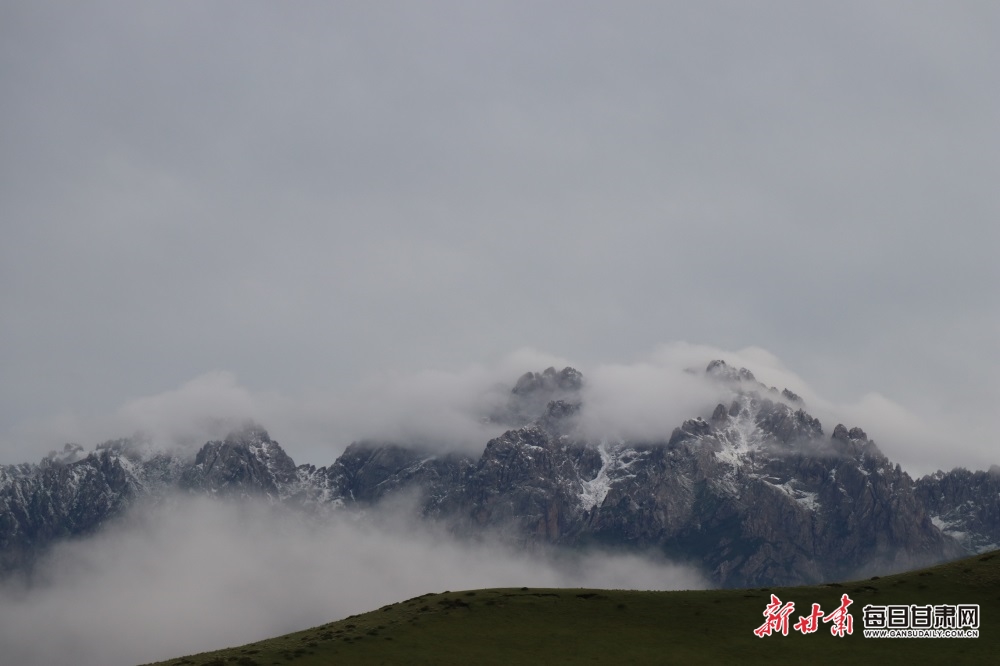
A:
{"x": 752, "y": 492}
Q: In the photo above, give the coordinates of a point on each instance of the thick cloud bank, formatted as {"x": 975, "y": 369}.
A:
{"x": 643, "y": 398}
{"x": 197, "y": 574}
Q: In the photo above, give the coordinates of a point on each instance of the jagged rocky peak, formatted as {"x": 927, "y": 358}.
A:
{"x": 740, "y": 377}
{"x": 534, "y": 392}
{"x": 248, "y": 460}
{"x": 559, "y": 415}
{"x": 854, "y": 441}
{"x": 788, "y": 425}
{"x": 721, "y": 370}
{"x": 249, "y": 435}
{"x": 751, "y": 415}
{"x": 964, "y": 505}
{"x": 567, "y": 380}
{"x": 690, "y": 429}
{"x": 854, "y": 434}
{"x": 134, "y": 448}
{"x": 791, "y": 396}
{"x": 74, "y": 453}
{"x": 70, "y": 453}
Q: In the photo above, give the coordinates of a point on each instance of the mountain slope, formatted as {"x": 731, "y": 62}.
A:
{"x": 752, "y": 491}
{"x": 503, "y": 626}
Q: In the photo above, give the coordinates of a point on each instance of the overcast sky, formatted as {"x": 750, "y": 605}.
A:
{"x": 297, "y": 202}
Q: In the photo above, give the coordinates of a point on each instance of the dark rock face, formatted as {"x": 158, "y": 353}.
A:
{"x": 534, "y": 391}
{"x": 720, "y": 370}
{"x": 368, "y": 472}
{"x": 759, "y": 498}
{"x": 248, "y": 462}
{"x": 526, "y": 483}
{"x": 964, "y": 505}
{"x": 42, "y": 503}
{"x": 754, "y": 495}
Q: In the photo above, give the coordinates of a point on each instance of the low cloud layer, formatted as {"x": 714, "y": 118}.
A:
{"x": 648, "y": 398}
{"x": 645, "y": 398}
{"x": 198, "y": 574}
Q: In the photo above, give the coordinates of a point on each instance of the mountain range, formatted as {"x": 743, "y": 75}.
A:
{"x": 752, "y": 491}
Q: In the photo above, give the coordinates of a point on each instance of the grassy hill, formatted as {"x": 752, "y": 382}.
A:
{"x": 559, "y": 626}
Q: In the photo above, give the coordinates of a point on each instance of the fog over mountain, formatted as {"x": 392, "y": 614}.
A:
{"x": 750, "y": 492}
{"x": 444, "y": 409}
{"x": 194, "y": 574}
{"x": 360, "y": 221}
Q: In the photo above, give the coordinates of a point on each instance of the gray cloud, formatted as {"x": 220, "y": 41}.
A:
{"x": 308, "y": 197}
{"x": 440, "y": 409}
{"x": 446, "y": 409}
{"x": 199, "y": 574}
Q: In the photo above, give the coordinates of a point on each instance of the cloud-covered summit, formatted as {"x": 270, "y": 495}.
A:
{"x": 459, "y": 410}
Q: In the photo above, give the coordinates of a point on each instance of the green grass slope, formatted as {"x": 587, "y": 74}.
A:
{"x": 575, "y": 626}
